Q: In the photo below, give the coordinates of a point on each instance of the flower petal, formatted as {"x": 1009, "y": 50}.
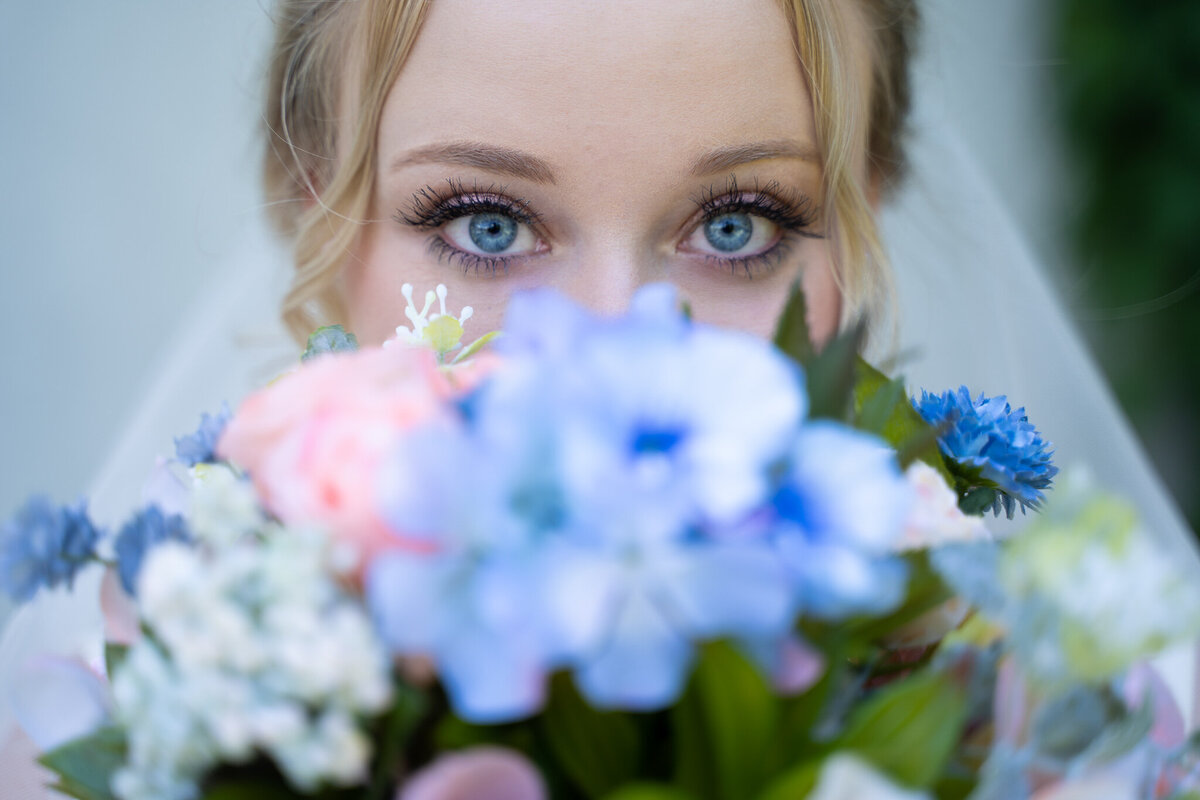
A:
{"x": 643, "y": 666}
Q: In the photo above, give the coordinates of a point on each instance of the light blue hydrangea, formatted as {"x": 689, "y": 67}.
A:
{"x": 588, "y": 483}
{"x": 146, "y": 530}
{"x": 199, "y": 447}
{"x": 836, "y": 514}
{"x": 986, "y": 436}
{"x": 45, "y": 546}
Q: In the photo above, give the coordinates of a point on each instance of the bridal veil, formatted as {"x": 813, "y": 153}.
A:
{"x": 974, "y": 309}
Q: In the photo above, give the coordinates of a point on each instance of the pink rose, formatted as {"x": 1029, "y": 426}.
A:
{"x": 480, "y": 772}
{"x": 313, "y": 440}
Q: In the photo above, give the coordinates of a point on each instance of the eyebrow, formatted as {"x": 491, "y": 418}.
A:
{"x": 519, "y": 164}
{"x": 493, "y": 158}
{"x": 723, "y": 158}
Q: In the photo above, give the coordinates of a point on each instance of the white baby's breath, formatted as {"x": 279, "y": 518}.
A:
{"x": 253, "y": 649}
{"x": 223, "y": 506}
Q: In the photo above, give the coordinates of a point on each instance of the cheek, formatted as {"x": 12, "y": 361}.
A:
{"x": 374, "y": 302}
{"x": 383, "y": 260}
{"x": 824, "y": 300}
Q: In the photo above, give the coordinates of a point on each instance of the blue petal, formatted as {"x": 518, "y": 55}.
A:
{"x": 732, "y": 590}
{"x": 491, "y": 678}
{"x": 644, "y": 665}
{"x": 406, "y": 594}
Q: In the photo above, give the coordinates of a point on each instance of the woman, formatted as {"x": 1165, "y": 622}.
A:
{"x": 511, "y": 145}
{"x": 598, "y": 151}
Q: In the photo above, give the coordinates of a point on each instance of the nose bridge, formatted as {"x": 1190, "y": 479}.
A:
{"x": 606, "y": 273}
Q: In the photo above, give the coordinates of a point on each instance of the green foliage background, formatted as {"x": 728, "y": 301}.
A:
{"x": 1130, "y": 94}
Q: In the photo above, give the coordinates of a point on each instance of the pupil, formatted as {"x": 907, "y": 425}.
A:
{"x": 729, "y": 232}
{"x": 492, "y": 233}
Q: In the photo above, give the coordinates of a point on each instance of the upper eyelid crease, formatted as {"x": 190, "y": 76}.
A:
{"x": 492, "y": 158}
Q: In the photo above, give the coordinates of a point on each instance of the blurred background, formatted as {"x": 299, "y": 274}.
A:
{"x": 131, "y": 164}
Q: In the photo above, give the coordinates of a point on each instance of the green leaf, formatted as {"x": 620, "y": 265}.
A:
{"x": 114, "y": 656}
{"x": 832, "y": 375}
{"x": 910, "y": 728}
{"x": 877, "y": 409}
{"x": 251, "y": 790}
{"x": 792, "y": 335}
{"x": 474, "y": 347}
{"x": 903, "y": 428}
{"x": 725, "y": 724}
{"x": 926, "y": 590}
{"x": 85, "y": 766}
{"x": 794, "y": 784}
{"x": 409, "y": 706}
{"x": 977, "y": 500}
{"x": 649, "y": 791}
{"x": 328, "y": 339}
{"x": 598, "y": 750}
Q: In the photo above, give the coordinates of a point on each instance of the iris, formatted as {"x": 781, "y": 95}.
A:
{"x": 729, "y": 232}
{"x": 492, "y": 233}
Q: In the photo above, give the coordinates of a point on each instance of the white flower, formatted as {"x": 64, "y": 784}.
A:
{"x": 847, "y": 777}
{"x": 439, "y": 329}
{"x": 253, "y": 649}
{"x": 223, "y": 507}
{"x": 934, "y": 518}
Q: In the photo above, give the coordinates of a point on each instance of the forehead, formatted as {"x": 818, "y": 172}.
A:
{"x": 606, "y": 80}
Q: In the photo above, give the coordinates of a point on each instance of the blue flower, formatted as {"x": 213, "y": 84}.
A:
{"x": 329, "y": 339}
{"x": 44, "y": 546}
{"x": 574, "y": 508}
{"x": 836, "y": 513}
{"x": 149, "y": 528}
{"x": 199, "y": 447}
{"x": 999, "y": 447}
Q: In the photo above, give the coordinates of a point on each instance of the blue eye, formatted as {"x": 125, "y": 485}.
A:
{"x": 492, "y": 233}
{"x": 495, "y": 234}
{"x": 729, "y": 232}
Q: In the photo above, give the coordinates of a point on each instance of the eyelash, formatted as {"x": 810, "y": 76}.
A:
{"x": 431, "y": 208}
{"x": 793, "y": 211}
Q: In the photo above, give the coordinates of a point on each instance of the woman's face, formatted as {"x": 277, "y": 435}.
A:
{"x": 597, "y": 147}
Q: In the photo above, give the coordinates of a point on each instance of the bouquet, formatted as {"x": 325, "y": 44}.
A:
{"x": 633, "y": 558}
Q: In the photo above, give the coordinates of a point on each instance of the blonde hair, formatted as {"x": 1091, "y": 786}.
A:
{"x": 319, "y": 188}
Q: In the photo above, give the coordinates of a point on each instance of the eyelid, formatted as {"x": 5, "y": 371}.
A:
{"x": 432, "y": 208}
{"x": 791, "y": 209}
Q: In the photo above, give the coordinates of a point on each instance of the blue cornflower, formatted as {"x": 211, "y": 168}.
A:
{"x": 148, "y": 529}
{"x": 199, "y": 447}
{"x": 44, "y": 546}
{"x": 999, "y": 447}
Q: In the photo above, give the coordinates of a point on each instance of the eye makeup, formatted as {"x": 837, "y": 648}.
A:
{"x": 793, "y": 213}
{"x": 787, "y": 215}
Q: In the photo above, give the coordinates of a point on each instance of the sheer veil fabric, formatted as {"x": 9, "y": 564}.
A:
{"x": 974, "y": 309}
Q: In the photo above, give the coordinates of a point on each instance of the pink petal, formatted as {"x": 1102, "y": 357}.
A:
{"x": 1143, "y": 679}
{"x": 800, "y": 666}
{"x": 120, "y": 613}
{"x": 491, "y": 772}
{"x": 1010, "y": 706}
{"x": 1093, "y": 788}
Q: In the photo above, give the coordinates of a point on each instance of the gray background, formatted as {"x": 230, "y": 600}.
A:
{"x": 130, "y": 166}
